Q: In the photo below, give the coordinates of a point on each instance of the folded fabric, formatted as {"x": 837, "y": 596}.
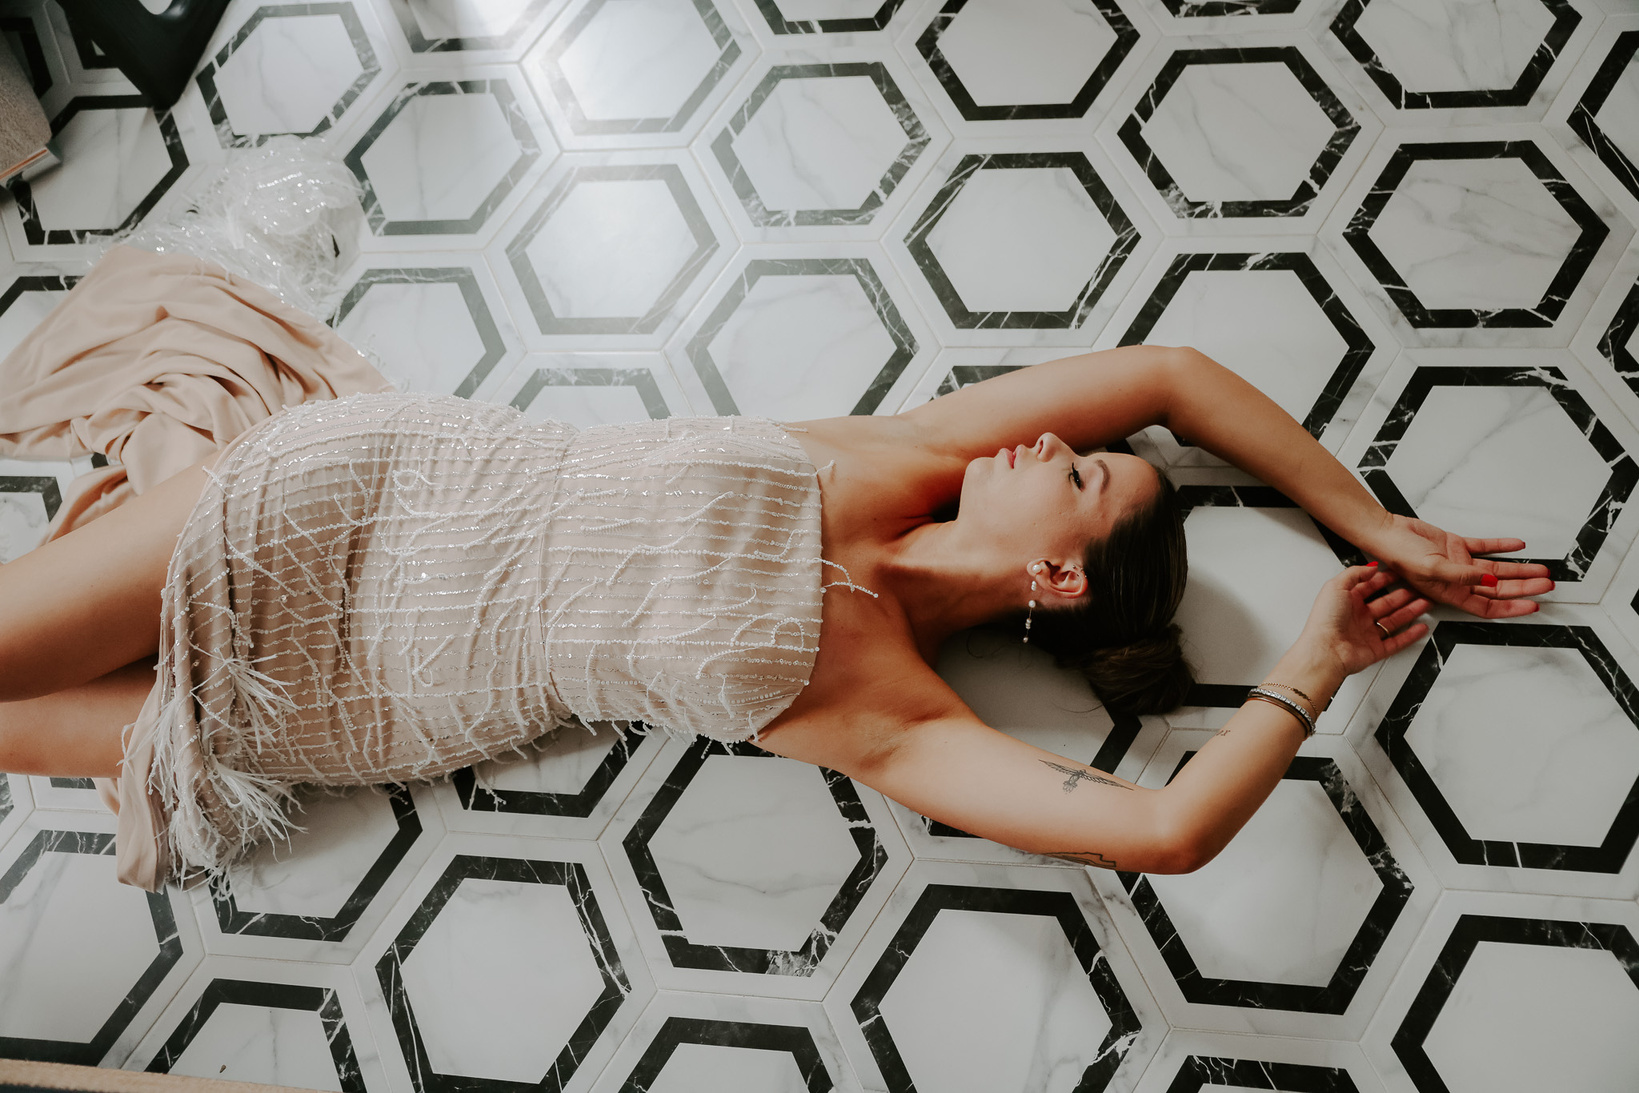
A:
{"x": 157, "y": 361}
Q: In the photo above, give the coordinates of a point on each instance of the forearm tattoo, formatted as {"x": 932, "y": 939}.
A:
{"x": 1082, "y": 857}
{"x": 1079, "y": 774}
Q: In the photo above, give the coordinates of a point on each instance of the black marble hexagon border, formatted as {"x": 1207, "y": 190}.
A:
{"x": 529, "y": 150}
{"x": 1351, "y": 970}
{"x": 420, "y": 43}
{"x": 705, "y": 245}
{"x": 927, "y": 43}
{"x": 38, "y": 234}
{"x": 1613, "y": 343}
{"x": 5, "y": 797}
{"x": 389, "y": 971}
{"x": 483, "y": 320}
{"x": 239, "y": 992}
{"x": 334, "y": 928}
{"x": 1359, "y": 345}
{"x": 639, "y": 379}
{"x": 683, "y": 953}
{"x": 1612, "y": 853}
{"x": 1565, "y": 21}
{"x": 1202, "y": 1070}
{"x": 916, "y": 140}
{"x": 796, "y": 1041}
{"x": 1465, "y": 937}
{"x": 1123, "y": 731}
{"x": 699, "y": 346}
{"x": 165, "y": 934}
{"x": 1191, "y": 497}
{"x": 1574, "y": 566}
{"x": 477, "y": 798}
{"x": 1203, "y": 9}
{"x": 1548, "y": 309}
{"x": 779, "y": 24}
{"x": 1584, "y": 124}
{"x": 866, "y": 1003}
{"x": 728, "y": 53}
{"x": 206, "y": 77}
{"x": 1345, "y": 130}
{"x": 1121, "y": 248}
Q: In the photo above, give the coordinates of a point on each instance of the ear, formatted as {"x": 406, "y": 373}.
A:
{"x": 1063, "y": 578}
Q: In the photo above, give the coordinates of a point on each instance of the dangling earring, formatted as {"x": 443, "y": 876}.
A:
{"x": 1029, "y": 615}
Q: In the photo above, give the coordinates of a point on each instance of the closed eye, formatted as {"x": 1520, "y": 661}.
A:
{"x": 1075, "y": 476}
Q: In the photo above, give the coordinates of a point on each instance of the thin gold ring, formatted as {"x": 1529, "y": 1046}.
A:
{"x": 1381, "y": 629}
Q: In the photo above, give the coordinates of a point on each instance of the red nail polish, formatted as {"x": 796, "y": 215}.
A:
{"x": 1489, "y": 580}
{"x": 1372, "y": 564}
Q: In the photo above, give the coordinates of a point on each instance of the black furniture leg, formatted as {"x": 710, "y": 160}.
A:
{"x": 157, "y": 52}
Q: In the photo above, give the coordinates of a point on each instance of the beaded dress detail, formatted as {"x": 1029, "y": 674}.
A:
{"x": 388, "y": 587}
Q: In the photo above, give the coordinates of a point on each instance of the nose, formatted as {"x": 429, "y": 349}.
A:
{"x": 1048, "y": 447}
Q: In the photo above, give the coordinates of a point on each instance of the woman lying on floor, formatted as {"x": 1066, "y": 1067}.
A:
{"x": 388, "y": 587}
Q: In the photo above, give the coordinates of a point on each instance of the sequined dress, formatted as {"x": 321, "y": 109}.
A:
{"x": 388, "y": 587}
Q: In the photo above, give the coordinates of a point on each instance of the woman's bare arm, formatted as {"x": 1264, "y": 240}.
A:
{"x": 1223, "y": 413}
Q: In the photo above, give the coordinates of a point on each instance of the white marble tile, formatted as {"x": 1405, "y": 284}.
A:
{"x": 439, "y": 19}
{"x": 1298, "y": 925}
{"x": 822, "y": 143}
{"x": 428, "y": 323}
{"x": 1512, "y": 1000}
{"x": 112, "y": 160}
{"x": 1455, "y": 45}
{"x": 635, "y": 60}
{"x": 508, "y": 958}
{"x": 1011, "y": 243}
{"x": 753, "y": 852}
{"x": 314, "y": 874}
{"x": 590, "y": 268}
{"x": 1457, "y": 410}
{"x": 1223, "y": 1062}
{"x": 261, "y": 1044}
{"x": 265, "y": 1021}
{"x": 1500, "y": 461}
{"x": 1238, "y": 132}
{"x": 964, "y": 952}
{"x": 1481, "y": 234}
{"x": 588, "y": 389}
{"x": 441, "y": 156}
{"x": 66, "y": 794}
{"x": 288, "y": 74}
{"x": 1470, "y": 224}
{"x": 745, "y": 872}
{"x": 1025, "y": 54}
{"x": 1507, "y": 993}
{"x": 86, "y": 963}
{"x": 1028, "y": 239}
{"x": 1527, "y": 744}
{"x": 1254, "y": 575}
{"x": 493, "y": 1035}
{"x": 686, "y": 1041}
{"x": 790, "y": 335}
{"x": 38, "y": 295}
{"x": 611, "y": 250}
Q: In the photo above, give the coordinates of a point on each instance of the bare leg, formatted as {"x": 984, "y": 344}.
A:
{"x": 79, "y": 607}
{"x": 75, "y": 733}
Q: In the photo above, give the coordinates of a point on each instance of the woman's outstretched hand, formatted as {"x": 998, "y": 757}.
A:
{"x": 1443, "y": 568}
{"x": 1359, "y": 632}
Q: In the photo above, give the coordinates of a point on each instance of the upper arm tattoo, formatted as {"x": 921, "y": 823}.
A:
{"x": 1082, "y": 857}
{"x": 1079, "y": 774}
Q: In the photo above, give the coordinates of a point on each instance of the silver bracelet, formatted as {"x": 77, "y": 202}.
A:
{"x": 1287, "y": 703}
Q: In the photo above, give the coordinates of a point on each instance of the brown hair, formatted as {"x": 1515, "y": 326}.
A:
{"x": 1121, "y": 635}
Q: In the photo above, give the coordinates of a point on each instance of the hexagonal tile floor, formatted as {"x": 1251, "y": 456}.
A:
{"x": 1411, "y": 224}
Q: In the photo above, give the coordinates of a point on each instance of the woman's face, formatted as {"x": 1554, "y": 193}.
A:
{"x": 1048, "y": 502}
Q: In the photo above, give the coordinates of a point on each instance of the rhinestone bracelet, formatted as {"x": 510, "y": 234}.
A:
{"x": 1288, "y": 704}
